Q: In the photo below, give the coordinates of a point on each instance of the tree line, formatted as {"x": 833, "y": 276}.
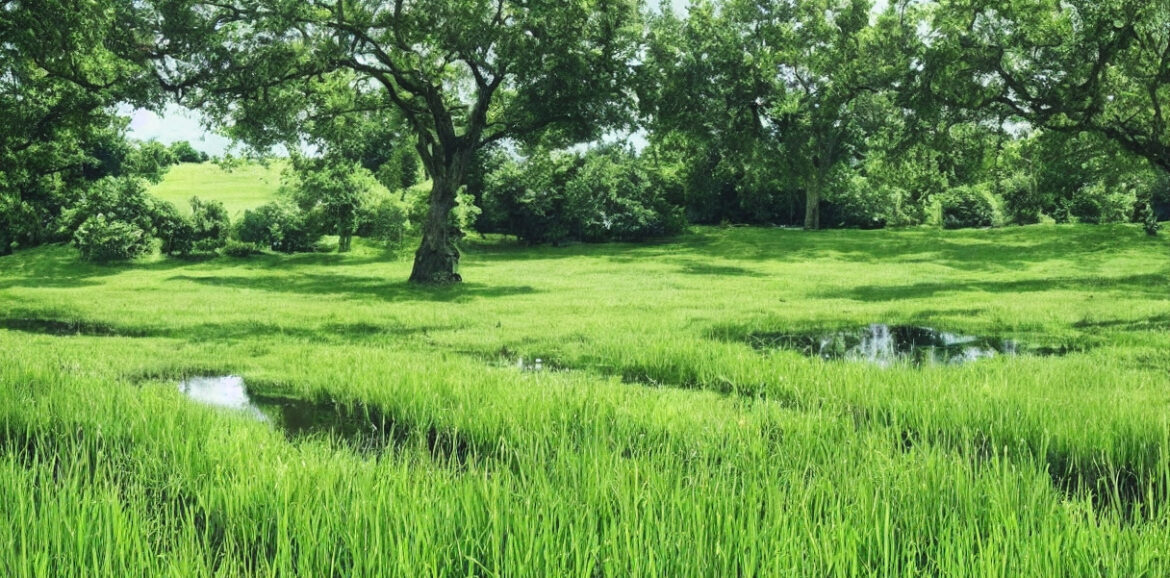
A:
{"x": 811, "y": 113}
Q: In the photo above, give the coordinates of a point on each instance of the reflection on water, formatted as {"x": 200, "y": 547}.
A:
{"x": 885, "y": 345}
{"x": 295, "y": 417}
{"x": 227, "y": 392}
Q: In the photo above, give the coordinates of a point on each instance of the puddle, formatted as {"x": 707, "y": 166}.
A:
{"x": 886, "y": 345}
{"x": 297, "y": 418}
{"x": 226, "y": 392}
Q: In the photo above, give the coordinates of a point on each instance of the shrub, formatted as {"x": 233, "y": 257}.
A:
{"x": 332, "y": 191}
{"x": 554, "y": 197}
{"x": 385, "y": 220}
{"x": 209, "y": 223}
{"x": 854, "y": 203}
{"x": 104, "y": 240}
{"x": 969, "y": 206}
{"x": 1097, "y": 203}
{"x": 185, "y": 153}
{"x": 176, "y": 231}
{"x": 1023, "y": 203}
{"x": 117, "y": 199}
{"x": 280, "y": 226}
{"x": 239, "y": 249}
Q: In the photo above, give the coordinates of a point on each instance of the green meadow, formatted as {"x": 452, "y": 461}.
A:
{"x": 658, "y": 439}
{"x": 239, "y": 188}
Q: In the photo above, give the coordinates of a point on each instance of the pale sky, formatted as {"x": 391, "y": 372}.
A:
{"x": 175, "y": 124}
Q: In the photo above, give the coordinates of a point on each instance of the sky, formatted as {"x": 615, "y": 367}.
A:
{"x": 176, "y": 123}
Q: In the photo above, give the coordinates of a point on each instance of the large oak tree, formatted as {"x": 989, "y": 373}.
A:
{"x": 462, "y": 73}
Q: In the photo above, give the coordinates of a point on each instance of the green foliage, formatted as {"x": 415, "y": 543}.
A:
{"x": 1097, "y": 203}
{"x": 279, "y": 226}
{"x": 175, "y": 230}
{"x": 969, "y": 206}
{"x": 332, "y": 191}
{"x": 385, "y": 219}
{"x": 63, "y": 70}
{"x": 1094, "y": 65}
{"x": 123, "y": 200}
{"x": 103, "y": 240}
{"x": 239, "y": 249}
{"x": 553, "y": 197}
{"x": 1024, "y": 203}
{"x": 185, "y": 153}
{"x": 856, "y": 203}
{"x": 210, "y": 224}
{"x": 150, "y": 160}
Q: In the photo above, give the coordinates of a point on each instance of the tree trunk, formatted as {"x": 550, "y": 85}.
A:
{"x": 437, "y": 258}
{"x": 812, "y": 206}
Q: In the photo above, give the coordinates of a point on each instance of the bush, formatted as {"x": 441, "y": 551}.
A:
{"x": 239, "y": 249}
{"x": 280, "y": 226}
{"x": 104, "y": 240}
{"x": 970, "y": 206}
{"x": 210, "y": 224}
{"x": 385, "y": 220}
{"x": 185, "y": 153}
{"x": 854, "y": 203}
{"x": 176, "y": 231}
{"x": 204, "y": 231}
{"x": 553, "y": 197}
{"x": 118, "y": 199}
{"x": 1098, "y": 204}
{"x": 1023, "y": 203}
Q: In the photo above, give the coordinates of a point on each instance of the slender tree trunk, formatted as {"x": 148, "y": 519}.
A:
{"x": 437, "y": 258}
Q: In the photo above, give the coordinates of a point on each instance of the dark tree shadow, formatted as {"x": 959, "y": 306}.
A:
{"x": 370, "y": 287}
{"x": 1152, "y": 284}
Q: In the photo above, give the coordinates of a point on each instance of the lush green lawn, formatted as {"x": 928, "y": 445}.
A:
{"x": 242, "y": 188}
{"x": 663, "y": 444}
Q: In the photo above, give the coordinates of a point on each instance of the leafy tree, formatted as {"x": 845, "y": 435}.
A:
{"x": 775, "y": 94}
{"x": 150, "y": 160}
{"x": 461, "y": 73}
{"x": 1096, "y": 65}
{"x": 63, "y": 65}
{"x": 185, "y": 153}
{"x": 336, "y": 189}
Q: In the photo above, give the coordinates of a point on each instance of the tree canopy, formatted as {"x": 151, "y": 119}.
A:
{"x": 461, "y": 74}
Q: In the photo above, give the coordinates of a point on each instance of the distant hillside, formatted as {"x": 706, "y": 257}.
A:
{"x": 243, "y": 188}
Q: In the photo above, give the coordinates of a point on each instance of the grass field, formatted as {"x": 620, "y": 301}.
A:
{"x": 242, "y": 188}
{"x": 657, "y": 441}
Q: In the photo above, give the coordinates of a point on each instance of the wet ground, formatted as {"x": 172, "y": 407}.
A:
{"x": 887, "y": 345}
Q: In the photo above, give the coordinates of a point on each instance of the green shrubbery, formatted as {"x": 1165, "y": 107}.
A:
{"x": 103, "y": 240}
{"x": 385, "y": 219}
{"x": 205, "y": 231}
{"x": 972, "y": 206}
{"x": 239, "y": 249}
{"x": 279, "y": 226}
{"x": 554, "y": 197}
